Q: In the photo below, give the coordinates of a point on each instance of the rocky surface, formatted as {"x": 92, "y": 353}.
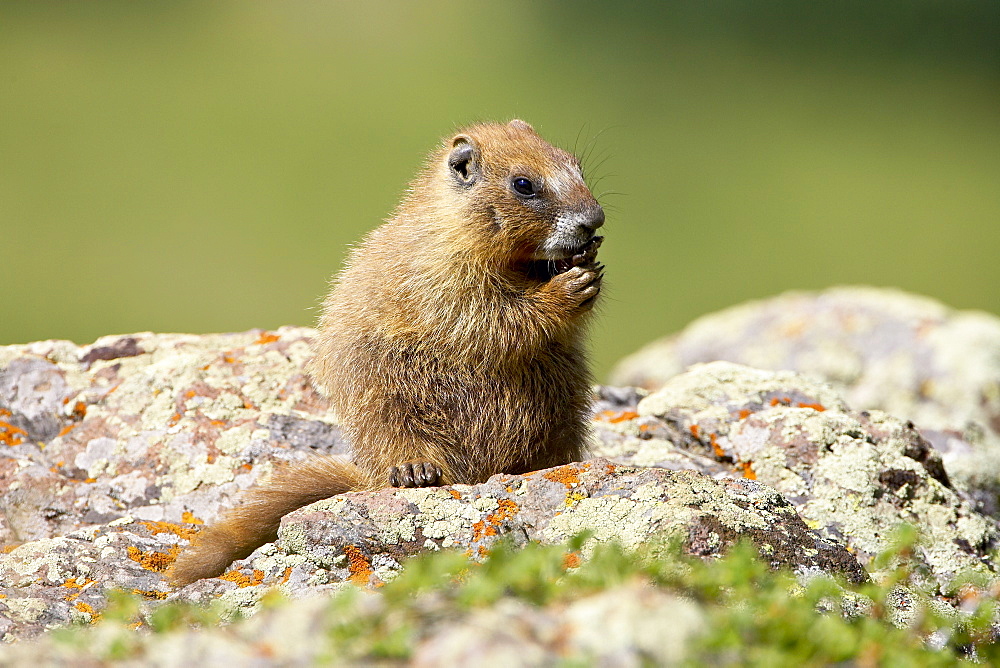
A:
{"x": 852, "y": 476}
{"x": 116, "y": 452}
{"x": 882, "y": 349}
{"x": 113, "y": 454}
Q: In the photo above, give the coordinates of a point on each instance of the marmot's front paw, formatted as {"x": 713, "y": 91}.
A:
{"x": 588, "y": 253}
{"x": 414, "y": 474}
{"x": 581, "y": 284}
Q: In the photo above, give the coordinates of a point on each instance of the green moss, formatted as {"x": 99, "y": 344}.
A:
{"x": 752, "y": 615}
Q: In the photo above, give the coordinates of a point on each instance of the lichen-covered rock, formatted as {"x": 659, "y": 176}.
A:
{"x": 882, "y": 349}
{"x": 853, "y": 476}
{"x": 159, "y": 427}
{"x": 354, "y": 535}
{"x": 112, "y": 454}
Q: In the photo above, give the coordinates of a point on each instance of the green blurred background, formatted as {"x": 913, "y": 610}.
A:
{"x": 189, "y": 166}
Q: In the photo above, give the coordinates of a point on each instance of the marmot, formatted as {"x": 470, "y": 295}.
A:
{"x": 451, "y": 345}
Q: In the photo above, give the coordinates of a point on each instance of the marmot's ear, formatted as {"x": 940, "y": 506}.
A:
{"x": 518, "y": 124}
{"x": 464, "y": 160}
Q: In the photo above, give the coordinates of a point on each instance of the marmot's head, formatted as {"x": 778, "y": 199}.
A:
{"x": 526, "y": 198}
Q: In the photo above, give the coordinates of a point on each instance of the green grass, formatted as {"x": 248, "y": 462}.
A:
{"x": 751, "y": 615}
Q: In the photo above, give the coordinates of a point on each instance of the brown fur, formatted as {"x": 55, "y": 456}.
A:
{"x": 453, "y": 336}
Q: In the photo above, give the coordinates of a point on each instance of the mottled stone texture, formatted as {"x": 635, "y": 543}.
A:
{"x": 882, "y": 349}
{"x": 853, "y": 476}
{"x": 113, "y": 454}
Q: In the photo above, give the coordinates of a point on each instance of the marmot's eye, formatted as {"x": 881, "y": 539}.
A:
{"x": 523, "y": 187}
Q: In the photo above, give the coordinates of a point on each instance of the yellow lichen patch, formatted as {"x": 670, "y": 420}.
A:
{"x": 150, "y": 594}
{"x": 73, "y": 584}
{"x": 615, "y": 416}
{"x": 186, "y": 533}
{"x": 506, "y": 509}
{"x": 153, "y": 561}
{"x": 482, "y": 552}
{"x": 11, "y": 435}
{"x": 189, "y": 517}
{"x": 361, "y": 571}
{"x": 83, "y": 607}
{"x": 241, "y": 580}
{"x": 567, "y": 475}
{"x": 7, "y": 549}
{"x": 574, "y": 498}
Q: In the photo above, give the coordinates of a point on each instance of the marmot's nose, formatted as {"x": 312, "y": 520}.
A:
{"x": 592, "y": 218}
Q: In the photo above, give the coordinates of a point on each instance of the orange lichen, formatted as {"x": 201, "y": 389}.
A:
{"x": 79, "y": 409}
{"x": 748, "y": 471}
{"x": 359, "y": 567}
{"x": 695, "y": 430}
{"x": 65, "y": 430}
{"x": 784, "y": 401}
{"x": 11, "y": 435}
{"x": 267, "y": 337}
{"x": 249, "y": 406}
{"x": 219, "y": 423}
{"x": 83, "y": 607}
{"x": 572, "y": 560}
{"x": 190, "y": 518}
{"x": 567, "y": 475}
{"x": 150, "y": 594}
{"x": 190, "y": 394}
{"x": 175, "y": 418}
{"x": 454, "y": 494}
{"x": 228, "y": 359}
{"x": 744, "y": 414}
{"x": 483, "y": 552}
{"x": 7, "y": 549}
{"x": 816, "y": 407}
{"x": 241, "y": 580}
{"x": 287, "y": 574}
{"x": 506, "y": 509}
{"x": 616, "y": 416}
{"x": 169, "y": 527}
{"x": 153, "y": 561}
{"x": 716, "y": 448}
{"x": 481, "y": 528}
{"x": 6, "y": 413}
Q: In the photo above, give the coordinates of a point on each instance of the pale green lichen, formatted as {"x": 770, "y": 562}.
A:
{"x": 26, "y": 609}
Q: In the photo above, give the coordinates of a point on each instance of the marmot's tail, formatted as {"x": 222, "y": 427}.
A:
{"x": 253, "y": 522}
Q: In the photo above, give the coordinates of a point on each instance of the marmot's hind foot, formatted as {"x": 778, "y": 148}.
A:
{"x": 414, "y": 474}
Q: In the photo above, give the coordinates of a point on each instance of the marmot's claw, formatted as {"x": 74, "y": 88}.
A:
{"x": 588, "y": 252}
{"x": 414, "y": 474}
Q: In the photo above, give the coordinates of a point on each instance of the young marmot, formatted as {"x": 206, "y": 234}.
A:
{"x": 451, "y": 345}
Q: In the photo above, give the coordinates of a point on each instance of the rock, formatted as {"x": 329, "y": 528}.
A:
{"x": 852, "y": 476}
{"x": 354, "y": 535}
{"x": 160, "y": 427}
{"x": 114, "y": 453}
{"x": 882, "y": 349}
